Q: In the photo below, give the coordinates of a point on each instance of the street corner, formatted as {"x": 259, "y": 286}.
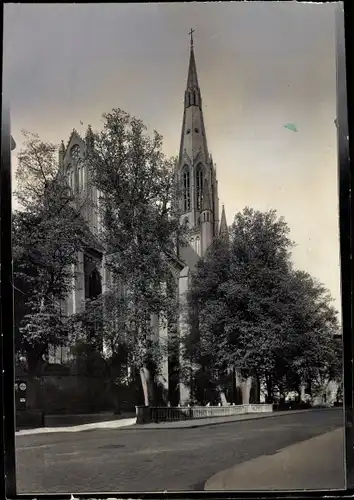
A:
{"x": 313, "y": 464}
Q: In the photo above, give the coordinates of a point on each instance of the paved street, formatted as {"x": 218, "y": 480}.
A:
{"x": 167, "y": 459}
{"x": 283, "y": 470}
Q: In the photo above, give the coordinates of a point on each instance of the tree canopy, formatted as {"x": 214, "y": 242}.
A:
{"x": 259, "y": 315}
{"x": 139, "y": 228}
{"x": 47, "y": 233}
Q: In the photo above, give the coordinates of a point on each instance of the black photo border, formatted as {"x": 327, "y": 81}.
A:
{"x": 345, "y": 134}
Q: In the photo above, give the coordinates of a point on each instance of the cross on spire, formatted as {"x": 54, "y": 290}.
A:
{"x": 191, "y": 35}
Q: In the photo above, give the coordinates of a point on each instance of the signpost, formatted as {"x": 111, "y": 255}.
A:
{"x": 21, "y": 394}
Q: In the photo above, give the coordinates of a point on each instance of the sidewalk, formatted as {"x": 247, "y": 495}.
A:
{"x": 130, "y": 423}
{"x": 317, "y": 463}
{"x": 111, "y": 424}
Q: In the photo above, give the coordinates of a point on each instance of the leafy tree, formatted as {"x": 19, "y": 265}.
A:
{"x": 259, "y": 315}
{"x": 240, "y": 321}
{"x": 139, "y": 228}
{"x": 47, "y": 234}
{"x": 312, "y": 352}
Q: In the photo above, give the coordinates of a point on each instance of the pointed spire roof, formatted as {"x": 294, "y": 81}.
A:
{"x": 206, "y": 197}
{"x": 89, "y": 138}
{"x": 192, "y": 81}
{"x": 61, "y": 153}
{"x": 193, "y": 137}
{"x": 223, "y": 225}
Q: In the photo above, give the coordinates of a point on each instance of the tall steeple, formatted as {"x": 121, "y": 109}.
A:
{"x": 61, "y": 154}
{"x": 195, "y": 165}
{"x": 192, "y": 81}
{"x": 223, "y": 231}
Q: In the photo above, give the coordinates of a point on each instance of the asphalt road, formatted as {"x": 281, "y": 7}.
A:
{"x": 156, "y": 460}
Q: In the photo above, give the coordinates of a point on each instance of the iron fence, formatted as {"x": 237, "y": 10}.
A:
{"x": 146, "y": 414}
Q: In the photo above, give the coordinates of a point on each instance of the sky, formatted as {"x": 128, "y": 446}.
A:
{"x": 261, "y": 65}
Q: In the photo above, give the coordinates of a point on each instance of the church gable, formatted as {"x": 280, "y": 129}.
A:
{"x": 198, "y": 157}
{"x": 72, "y": 162}
{"x": 186, "y": 158}
{"x": 75, "y": 148}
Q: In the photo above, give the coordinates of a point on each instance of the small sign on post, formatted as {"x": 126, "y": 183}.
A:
{"x": 21, "y": 394}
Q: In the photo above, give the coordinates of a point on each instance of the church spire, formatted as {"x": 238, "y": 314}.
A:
{"x": 195, "y": 173}
{"x": 223, "y": 231}
{"x": 192, "y": 80}
{"x": 192, "y": 96}
{"x": 61, "y": 153}
{"x": 89, "y": 139}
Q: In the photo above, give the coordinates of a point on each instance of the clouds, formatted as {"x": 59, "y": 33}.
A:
{"x": 260, "y": 65}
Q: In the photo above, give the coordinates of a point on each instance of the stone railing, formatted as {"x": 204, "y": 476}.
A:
{"x": 146, "y": 414}
{"x": 259, "y": 408}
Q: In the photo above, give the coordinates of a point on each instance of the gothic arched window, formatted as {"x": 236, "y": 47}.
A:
{"x": 197, "y": 245}
{"x": 75, "y": 152}
{"x": 83, "y": 176}
{"x": 199, "y": 183}
{"x": 68, "y": 173}
{"x": 79, "y": 177}
{"x": 76, "y": 177}
{"x": 186, "y": 189}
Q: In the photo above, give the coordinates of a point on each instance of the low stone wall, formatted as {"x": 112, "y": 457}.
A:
{"x": 146, "y": 414}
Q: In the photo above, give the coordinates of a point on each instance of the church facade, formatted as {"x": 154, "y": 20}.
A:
{"x": 199, "y": 209}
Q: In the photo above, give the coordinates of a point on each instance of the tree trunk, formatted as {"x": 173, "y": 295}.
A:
{"x": 234, "y": 387}
{"x": 222, "y": 397}
{"x": 116, "y": 398}
{"x": 238, "y": 387}
{"x": 246, "y": 385}
{"x": 269, "y": 385}
{"x": 257, "y": 390}
{"x": 147, "y": 384}
{"x": 302, "y": 393}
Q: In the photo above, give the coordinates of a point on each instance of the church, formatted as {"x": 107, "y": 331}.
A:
{"x": 199, "y": 208}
